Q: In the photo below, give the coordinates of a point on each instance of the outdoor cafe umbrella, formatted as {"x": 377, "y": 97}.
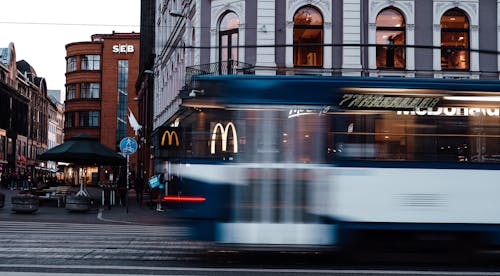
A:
{"x": 83, "y": 149}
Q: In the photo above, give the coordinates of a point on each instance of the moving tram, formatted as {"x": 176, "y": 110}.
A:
{"x": 332, "y": 161}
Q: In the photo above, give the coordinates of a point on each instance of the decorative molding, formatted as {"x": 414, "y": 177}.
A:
{"x": 410, "y": 27}
{"x": 372, "y": 26}
{"x": 327, "y": 25}
{"x": 437, "y": 27}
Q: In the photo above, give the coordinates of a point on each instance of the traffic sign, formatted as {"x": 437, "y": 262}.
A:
{"x": 128, "y": 145}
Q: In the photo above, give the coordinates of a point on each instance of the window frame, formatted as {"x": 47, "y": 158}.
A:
{"x": 448, "y": 30}
{"x": 88, "y": 91}
{"x": 70, "y": 91}
{"x": 318, "y": 61}
{"x": 392, "y": 47}
{"x": 231, "y": 47}
{"x": 71, "y": 64}
{"x": 90, "y": 62}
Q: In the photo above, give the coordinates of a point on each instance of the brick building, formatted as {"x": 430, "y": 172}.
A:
{"x": 100, "y": 81}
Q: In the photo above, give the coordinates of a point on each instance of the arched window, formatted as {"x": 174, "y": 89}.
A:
{"x": 454, "y": 40}
{"x": 228, "y": 42}
{"x": 390, "y": 35}
{"x": 308, "y": 30}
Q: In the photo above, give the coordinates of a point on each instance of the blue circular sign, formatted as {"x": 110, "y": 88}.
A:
{"x": 128, "y": 145}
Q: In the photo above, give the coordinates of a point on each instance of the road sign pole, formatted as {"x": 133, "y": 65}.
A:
{"x": 126, "y": 192}
{"x": 128, "y": 145}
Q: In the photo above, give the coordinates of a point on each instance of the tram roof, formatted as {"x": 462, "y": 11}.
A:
{"x": 282, "y": 89}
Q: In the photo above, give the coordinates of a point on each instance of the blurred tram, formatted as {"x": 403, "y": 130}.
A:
{"x": 335, "y": 161}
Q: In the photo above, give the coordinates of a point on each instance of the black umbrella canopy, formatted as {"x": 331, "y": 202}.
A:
{"x": 83, "y": 149}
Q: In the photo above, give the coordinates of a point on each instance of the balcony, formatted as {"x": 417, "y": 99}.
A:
{"x": 230, "y": 67}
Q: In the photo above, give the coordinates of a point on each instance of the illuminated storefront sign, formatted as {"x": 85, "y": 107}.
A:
{"x": 123, "y": 48}
{"x": 452, "y": 111}
{"x": 170, "y": 136}
{"x": 293, "y": 113}
{"x": 224, "y": 133}
{"x": 368, "y": 101}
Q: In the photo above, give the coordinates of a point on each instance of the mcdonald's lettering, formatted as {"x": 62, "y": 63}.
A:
{"x": 170, "y": 135}
{"x": 224, "y": 133}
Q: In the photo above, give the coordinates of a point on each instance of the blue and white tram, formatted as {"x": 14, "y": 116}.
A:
{"x": 312, "y": 161}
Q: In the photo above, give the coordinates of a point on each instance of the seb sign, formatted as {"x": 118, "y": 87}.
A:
{"x": 123, "y": 48}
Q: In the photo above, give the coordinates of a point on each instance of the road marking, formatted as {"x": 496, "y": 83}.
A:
{"x": 248, "y": 270}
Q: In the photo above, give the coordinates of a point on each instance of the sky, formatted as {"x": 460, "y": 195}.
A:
{"x": 40, "y": 29}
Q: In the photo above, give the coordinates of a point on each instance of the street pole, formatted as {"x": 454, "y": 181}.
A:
{"x": 126, "y": 192}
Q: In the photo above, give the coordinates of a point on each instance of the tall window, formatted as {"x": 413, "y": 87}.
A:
{"x": 70, "y": 91}
{"x": 89, "y": 90}
{"x": 71, "y": 64}
{"x": 121, "y": 108}
{"x": 454, "y": 40}
{"x": 308, "y": 30}
{"x": 89, "y": 118}
{"x": 228, "y": 42}
{"x": 391, "y": 38}
{"x": 70, "y": 119}
{"x": 90, "y": 62}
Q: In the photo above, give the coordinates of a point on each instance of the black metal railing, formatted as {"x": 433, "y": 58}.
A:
{"x": 230, "y": 67}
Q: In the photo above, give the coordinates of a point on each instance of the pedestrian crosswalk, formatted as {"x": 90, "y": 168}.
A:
{"x": 55, "y": 228}
{"x": 67, "y": 241}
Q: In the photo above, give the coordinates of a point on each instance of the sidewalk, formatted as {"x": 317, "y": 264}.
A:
{"x": 49, "y": 212}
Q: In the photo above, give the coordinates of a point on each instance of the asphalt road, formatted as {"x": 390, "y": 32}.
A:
{"x": 43, "y": 248}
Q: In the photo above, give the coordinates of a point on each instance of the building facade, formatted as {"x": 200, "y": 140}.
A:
{"x": 373, "y": 38}
{"x": 24, "y": 115}
{"x": 100, "y": 87}
{"x": 38, "y": 116}
{"x": 55, "y": 134}
{"x": 145, "y": 89}
{"x": 14, "y": 114}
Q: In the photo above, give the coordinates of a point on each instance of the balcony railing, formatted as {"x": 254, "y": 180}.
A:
{"x": 230, "y": 67}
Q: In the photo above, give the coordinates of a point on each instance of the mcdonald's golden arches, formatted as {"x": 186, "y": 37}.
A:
{"x": 170, "y": 138}
{"x": 224, "y": 132}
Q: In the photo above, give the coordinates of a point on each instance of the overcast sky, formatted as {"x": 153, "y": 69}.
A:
{"x": 40, "y": 29}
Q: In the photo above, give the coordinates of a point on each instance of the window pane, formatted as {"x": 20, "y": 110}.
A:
{"x": 451, "y": 58}
{"x": 71, "y": 64}
{"x": 89, "y": 90}
{"x": 234, "y": 46}
{"x": 223, "y": 50}
{"x": 390, "y": 18}
{"x": 390, "y": 32}
{"x": 308, "y": 16}
{"x": 454, "y": 19}
{"x": 454, "y": 40}
{"x": 90, "y": 62}
{"x": 70, "y": 91}
{"x": 308, "y": 29}
{"x": 390, "y": 56}
{"x": 308, "y": 55}
{"x": 229, "y": 21}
